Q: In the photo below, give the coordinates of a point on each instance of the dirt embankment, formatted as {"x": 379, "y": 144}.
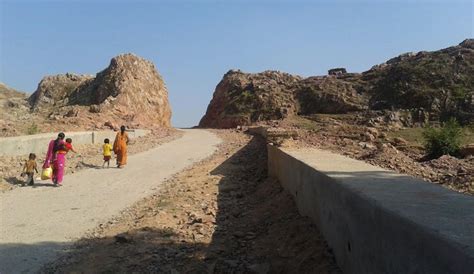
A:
{"x": 383, "y": 147}
{"x": 87, "y": 156}
{"x": 223, "y": 215}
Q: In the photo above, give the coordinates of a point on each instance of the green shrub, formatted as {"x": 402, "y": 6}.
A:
{"x": 444, "y": 140}
{"x": 32, "y": 129}
{"x": 459, "y": 93}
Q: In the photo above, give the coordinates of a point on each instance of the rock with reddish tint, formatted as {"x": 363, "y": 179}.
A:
{"x": 129, "y": 91}
{"x": 410, "y": 89}
{"x": 111, "y": 125}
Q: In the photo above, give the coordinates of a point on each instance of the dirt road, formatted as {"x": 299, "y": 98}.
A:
{"x": 222, "y": 215}
{"x": 37, "y": 224}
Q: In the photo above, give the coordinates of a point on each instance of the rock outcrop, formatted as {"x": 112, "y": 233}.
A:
{"x": 244, "y": 98}
{"x": 337, "y": 71}
{"x": 327, "y": 95}
{"x": 55, "y": 90}
{"x": 129, "y": 91}
{"x": 428, "y": 86}
{"x": 441, "y": 82}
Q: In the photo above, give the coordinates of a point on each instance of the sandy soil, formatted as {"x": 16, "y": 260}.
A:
{"x": 223, "y": 215}
{"x": 87, "y": 156}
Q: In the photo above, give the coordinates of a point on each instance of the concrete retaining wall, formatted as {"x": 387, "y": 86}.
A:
{"x": 377, "y": 221}
{"x": 38, "y": 143}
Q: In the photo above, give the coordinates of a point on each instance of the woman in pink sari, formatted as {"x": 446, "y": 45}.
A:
{"x": 56, "y": 157}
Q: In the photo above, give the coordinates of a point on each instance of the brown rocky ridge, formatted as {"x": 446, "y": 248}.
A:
{"x": 129, "y": 91}
{"x": 411, "y": 88}
{"x": 377, "y": 116}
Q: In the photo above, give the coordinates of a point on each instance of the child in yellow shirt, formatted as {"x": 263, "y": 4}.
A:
{"x": 107, "y": 151}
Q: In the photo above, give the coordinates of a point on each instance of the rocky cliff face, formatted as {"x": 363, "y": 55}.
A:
{"x": 439, "y": 82}
{"x": 129, "y": 91}
{"x": 55, "y": 90}
{"x": 432, "y": 85}
{"x": 242, "y": 98}
{"x": 245, "y": 98}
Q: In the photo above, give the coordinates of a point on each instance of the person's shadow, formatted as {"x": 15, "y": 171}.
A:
{"x": 16, "y": 181}
{"x": 86, "y": 165}
{"x": 36, "y": 184}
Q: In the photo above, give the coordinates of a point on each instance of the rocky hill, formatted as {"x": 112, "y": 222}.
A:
{"x": 410, "y": 88}
{"x": 129, "y": 91}
{"x": 7, "y": 92}
{"x": 13, "y": 110}
{"x": 242, "y": 98}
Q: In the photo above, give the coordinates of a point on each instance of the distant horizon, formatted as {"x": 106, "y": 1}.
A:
{"x": 194, "y": 43}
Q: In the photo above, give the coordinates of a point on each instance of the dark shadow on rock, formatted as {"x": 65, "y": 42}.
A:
{"x": 86, "y": 165}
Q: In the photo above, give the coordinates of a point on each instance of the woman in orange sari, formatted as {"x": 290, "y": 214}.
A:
{"x": 120, "y": 147}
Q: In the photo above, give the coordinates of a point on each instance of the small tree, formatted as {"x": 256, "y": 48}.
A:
{"x": 444, "y": 140}
{"x": 33, "y": 129}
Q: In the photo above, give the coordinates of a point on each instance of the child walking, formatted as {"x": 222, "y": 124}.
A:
{"x": 107, "y": 151}
{"x": 29, "y": 169}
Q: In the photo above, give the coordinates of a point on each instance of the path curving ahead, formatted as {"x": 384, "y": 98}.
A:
{"x": 37, "y": 224}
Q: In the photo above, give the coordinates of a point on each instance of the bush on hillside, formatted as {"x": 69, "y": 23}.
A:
{"x": 32, "y": 129}
{"x": 444, "y": 140}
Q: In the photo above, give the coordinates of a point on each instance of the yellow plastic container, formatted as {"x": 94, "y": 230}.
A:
{"x": 47, "y": 173}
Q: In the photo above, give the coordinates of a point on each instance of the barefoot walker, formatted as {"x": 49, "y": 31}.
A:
{"x": 120, "y": 147}
{"x": 29, "y": 169}
{"x": 107, "y": 152}
{"x": 56, "y": 159}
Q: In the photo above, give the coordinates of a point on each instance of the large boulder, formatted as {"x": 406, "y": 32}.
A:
{"x": 131, "y": 88}
{"x": 245, "y": 98}
{"x": 129, "y": 91}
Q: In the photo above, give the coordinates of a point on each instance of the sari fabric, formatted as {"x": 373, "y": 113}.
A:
{"x": 120, "y": 148}
{"x": 49, "y": 155}
{"x": 56, "y": 160}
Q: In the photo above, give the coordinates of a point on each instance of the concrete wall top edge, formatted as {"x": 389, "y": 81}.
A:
{"x": 438, "y": 210}
{"x": 22, "y": 145}
{"x": 67, "y": 133}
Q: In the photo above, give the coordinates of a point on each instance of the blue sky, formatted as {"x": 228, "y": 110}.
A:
{"x": 193, "y": 43}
